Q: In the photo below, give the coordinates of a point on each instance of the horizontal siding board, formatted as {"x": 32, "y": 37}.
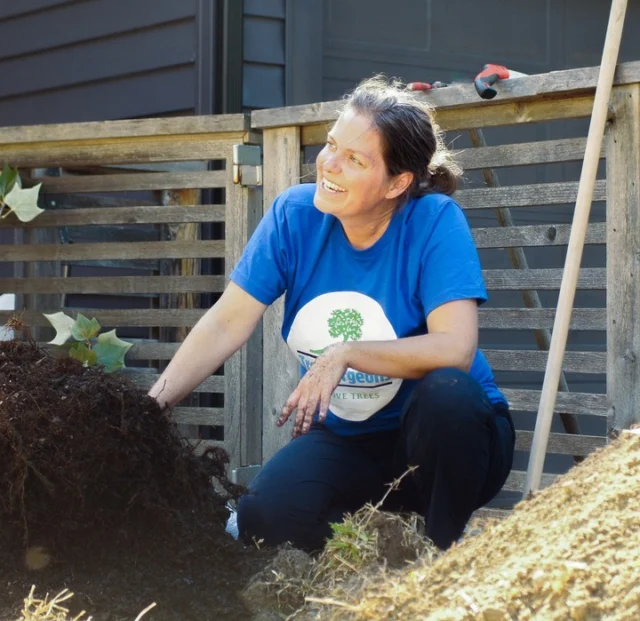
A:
{"x": 145, "y": 381}
{"x": 516, "y": 279}
{"x": 129, "y": 96}
{"x": 132, "y": 318}
{"x": 569, "y": 402}
{"x": 132, "y": 182}
{"x": 121, "y": 215}
{"x": 83, "y": 21}
{"x": 138, "y": 52}
{"x": 265, "y": 8}
{"x": 494, "y": 318}
{"x": 527, "y": 360}
{"x": 534, "y": 235}
{"x": 10, "y": 9}
{"x": 523, "y": 154}
{"x": 152, "y": 351}
{"x": 114, "y": 285}
{"x": 516, "y": 480}
{"x": 263, "y": 40}
{"x": 562, "y": 443}
{"x": 262, "y": 86}
{"x": 536, "y": 318}
{"x": 128, "y": 129}
{"x": 113, "y": 250}
{"x": 142, "y": 151}
{"x": 526, "y": 195}
{"x": 198, "y": 416}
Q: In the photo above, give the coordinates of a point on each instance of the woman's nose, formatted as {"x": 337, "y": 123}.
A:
{"x": 330, "y": 163}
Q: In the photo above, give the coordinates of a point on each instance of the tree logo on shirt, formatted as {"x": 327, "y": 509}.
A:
{"x": 342, "y": 317}
{"x": 345, "y": 323}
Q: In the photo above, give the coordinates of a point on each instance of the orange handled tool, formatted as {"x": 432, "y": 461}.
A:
{"x": 489, "y": 76}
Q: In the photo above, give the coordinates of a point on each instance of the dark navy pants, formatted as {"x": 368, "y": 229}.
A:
{"x": 462, "y": 444}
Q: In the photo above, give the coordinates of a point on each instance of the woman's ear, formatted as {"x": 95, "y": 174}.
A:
{"x": 399, "y": 185}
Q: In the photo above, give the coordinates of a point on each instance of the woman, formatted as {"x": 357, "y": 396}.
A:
{"x": 382, "y": 283}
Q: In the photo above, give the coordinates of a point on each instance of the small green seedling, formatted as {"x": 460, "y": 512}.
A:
{"x": 91, "y": 348}
{"x": 14, "y": 199}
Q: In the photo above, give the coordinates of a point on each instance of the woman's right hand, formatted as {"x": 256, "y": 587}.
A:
{"x": 222, "y": 330}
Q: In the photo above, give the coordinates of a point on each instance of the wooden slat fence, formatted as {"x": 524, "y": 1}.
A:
{"x": 133, "y": 214}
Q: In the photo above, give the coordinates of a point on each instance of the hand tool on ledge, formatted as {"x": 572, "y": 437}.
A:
{"x": 486, "y": 79}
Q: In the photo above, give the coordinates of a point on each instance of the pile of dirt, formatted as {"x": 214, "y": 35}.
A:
{"x": 101, "y": 495}
{"x": 570, "y": 552}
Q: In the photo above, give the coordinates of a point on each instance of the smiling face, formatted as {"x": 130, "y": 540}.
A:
{"x": 353, "y": 183}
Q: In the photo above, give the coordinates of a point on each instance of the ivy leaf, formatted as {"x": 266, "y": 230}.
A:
{"x": 111, "y": 351}
{"x": 24, "y": 203}
{"x": 81, "y": 352}
{"x": 63, "y": 325}
{"x": 7, "y": 179}
{"x": 85, "y": 329}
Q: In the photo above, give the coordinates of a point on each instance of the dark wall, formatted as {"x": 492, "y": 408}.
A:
{"x": 263, "y": 70}
{"x": 96, "y": 59}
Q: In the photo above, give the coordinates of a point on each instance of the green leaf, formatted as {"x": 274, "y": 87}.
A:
{"x": 85, "y": 329}
{"x": 63, "y": 325}
{"x": 10, "y": 176}
{"x": 81, "y": 352}
{"x": 24, "y": 203}
{"x": 111, "y": 351}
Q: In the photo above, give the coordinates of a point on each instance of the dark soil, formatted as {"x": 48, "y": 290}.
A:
{"x": 95, "y": 478}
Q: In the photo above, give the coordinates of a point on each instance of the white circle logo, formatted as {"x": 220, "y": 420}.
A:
{"x": 336, "y": 318}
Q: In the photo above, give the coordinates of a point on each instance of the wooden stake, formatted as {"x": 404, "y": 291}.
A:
{"x": 576, "y": 245}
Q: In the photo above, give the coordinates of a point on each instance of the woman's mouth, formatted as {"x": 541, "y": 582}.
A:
{"x": 333, "y": 188}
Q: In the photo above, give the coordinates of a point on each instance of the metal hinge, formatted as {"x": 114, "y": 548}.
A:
{"x": 247, "y": 164}
{"x": 245, "y": 474}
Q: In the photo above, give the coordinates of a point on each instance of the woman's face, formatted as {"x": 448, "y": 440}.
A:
{"x": 352, "y": 179}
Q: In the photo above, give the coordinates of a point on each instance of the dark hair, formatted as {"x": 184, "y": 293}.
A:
{"x": 411, "y": 140}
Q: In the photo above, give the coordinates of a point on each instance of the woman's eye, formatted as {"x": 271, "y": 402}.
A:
{"x": 331, "y": 146}
{"x": 355, "y": 160}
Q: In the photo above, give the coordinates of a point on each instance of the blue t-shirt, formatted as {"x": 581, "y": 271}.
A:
{"x": 335, "y": 292}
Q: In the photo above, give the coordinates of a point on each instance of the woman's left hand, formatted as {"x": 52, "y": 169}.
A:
{"x": 314, "y": 391}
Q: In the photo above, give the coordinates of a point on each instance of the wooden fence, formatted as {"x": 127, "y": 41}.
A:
{"x": 122, "y": 229}
{"x": 114, "y": 176}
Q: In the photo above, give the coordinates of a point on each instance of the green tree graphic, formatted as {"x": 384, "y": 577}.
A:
{"x": 346, "y": 323}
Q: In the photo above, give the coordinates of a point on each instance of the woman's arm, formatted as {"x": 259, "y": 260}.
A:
{"x": 451, "y": 342}
{"x": 224, "y": 329}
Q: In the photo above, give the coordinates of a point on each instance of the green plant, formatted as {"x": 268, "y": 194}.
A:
{"x": 91, "y": 347}
{"x": 14, "y": 199}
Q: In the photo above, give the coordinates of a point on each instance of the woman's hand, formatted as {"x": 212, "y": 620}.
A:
{"x": 315, "y": 389}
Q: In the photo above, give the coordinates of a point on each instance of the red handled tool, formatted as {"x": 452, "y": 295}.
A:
{"x": 425, "y": 86}
{"x": 489, "y": 76}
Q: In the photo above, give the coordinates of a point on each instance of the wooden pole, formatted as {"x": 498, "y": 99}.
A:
{"x": 576, "y": 245}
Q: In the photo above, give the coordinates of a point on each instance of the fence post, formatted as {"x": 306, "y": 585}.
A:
{"x": 623, "y": 258}
{"x": 243, "y": 371}
{"x": 280, "y": 368}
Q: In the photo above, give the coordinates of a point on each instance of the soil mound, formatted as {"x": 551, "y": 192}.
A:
{"x": 570, "y": 552}
{"x": 100, "y": 493}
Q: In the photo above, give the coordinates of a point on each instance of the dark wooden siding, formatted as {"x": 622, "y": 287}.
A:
{"x": 96, "y": 59}
{"x": 263, "y": 79}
